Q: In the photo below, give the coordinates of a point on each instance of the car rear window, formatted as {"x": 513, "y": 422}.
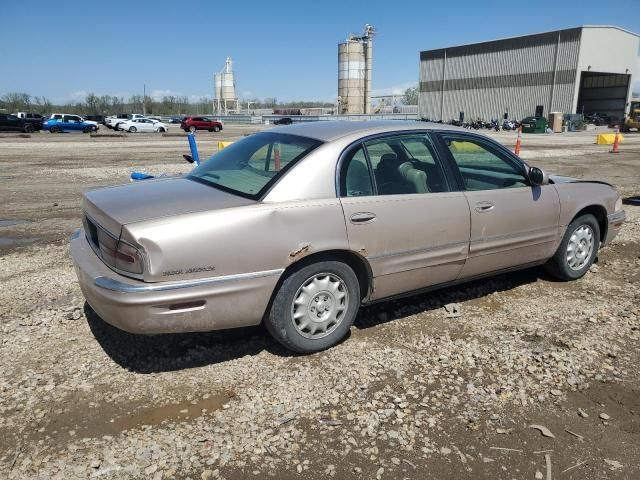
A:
{"x": 250, "y": 166}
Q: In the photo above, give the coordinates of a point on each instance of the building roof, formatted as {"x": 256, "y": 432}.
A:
{"x": 334, "y": 129}
{"x": 533, "y": 35}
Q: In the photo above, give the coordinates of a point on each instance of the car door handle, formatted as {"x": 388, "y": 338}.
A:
{"x": 482, "y": 207}
{"x": 363, "y": 217}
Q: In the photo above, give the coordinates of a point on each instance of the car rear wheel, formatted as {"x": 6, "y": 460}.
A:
{"x": 192, "y": 129}
{"x": 578, "y": 249}
{"x": 28, "y": 128}
{"x": 133, "y": 129}
{"x": 314, "y": 307}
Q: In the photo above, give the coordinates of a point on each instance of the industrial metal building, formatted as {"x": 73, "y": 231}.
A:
{"x": 579, "y": 70}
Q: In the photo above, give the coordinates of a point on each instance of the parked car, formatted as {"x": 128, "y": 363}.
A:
{"x": 191, "y": 124}
{"x": 34, "y": 119}
{"x": 114, "y": 121}
{"x": 60, "y": 122}
{"x": 283, "y": 121}
{"x": 299, "y": 226}
{"x": 99, "y": 119}
{"x": 177, "y": 119}
{"x": 143, "y": 125}
{"x": 11, "y": 123}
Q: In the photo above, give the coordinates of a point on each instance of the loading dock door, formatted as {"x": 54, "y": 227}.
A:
{"x": 603, "y": 93}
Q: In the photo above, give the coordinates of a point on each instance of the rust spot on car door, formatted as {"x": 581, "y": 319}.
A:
{"x": 300, "y": 251}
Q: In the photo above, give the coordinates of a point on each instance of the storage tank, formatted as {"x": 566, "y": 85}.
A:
{"x": 354, "y": 73}
{"x": 217, "y": 81}
{"x": 225, "y": 89}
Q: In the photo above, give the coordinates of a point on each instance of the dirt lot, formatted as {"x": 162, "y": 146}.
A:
{"x": 411, "y": 394}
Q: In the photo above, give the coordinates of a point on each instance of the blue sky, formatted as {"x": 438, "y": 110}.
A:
{"x": 284, "y": 49}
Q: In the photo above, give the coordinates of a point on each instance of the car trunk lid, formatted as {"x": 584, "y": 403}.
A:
{"x": 113, "y": 207}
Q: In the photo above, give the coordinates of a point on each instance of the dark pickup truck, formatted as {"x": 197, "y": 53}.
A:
{"x": 11, "y": 123}
{"x": 34, "y": 119}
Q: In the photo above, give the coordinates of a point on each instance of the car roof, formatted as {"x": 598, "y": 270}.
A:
{"x": 332, "y": 130}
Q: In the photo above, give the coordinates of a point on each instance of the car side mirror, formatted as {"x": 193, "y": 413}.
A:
{"x": 537, "y": 176}
{"x": 188, "y": 158}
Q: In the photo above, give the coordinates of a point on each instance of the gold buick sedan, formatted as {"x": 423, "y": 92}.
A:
{"x": 298, "y": 226}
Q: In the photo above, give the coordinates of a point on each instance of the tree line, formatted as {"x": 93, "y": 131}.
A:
{"x": 110, "y": 104}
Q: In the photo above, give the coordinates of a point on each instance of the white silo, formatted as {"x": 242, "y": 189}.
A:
{"x": 225, "y": 89}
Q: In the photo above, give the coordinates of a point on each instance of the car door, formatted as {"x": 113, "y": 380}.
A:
{"x": 10, "y": 122}
{"x": 512, "y": 222}
{"x": 144, "y": 125}
{"x": 70, "y": 122}
{"x": 401, "y": 214}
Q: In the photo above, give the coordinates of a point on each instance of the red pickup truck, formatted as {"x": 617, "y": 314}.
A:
{"x": 191, "y": 124}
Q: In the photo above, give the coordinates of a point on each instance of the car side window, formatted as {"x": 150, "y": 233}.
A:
{"x": 356, "y": 179}
{"x": 405, "y": 164}
{"x": 483, "y": 167}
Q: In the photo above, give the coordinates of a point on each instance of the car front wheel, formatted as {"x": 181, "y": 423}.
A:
{"x": 578, "y": 249}
{"x": 133, "y": 129}
{"x": 315, "y": 307}
{"x": 216, "y": 129}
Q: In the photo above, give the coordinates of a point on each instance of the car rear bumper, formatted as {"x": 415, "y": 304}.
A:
{"x": 615, "y": 222}
{"x": 170, "y": 307}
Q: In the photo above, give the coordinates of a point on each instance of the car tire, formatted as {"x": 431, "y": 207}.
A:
{"x": 28, "y": 128}
{"x": 133, "y": 129}
{"x": 210, "y": 130}
{"x": 161, "y": 130}
{"x": 578, "y": 249}
{"x": 216, "y": 129}
{"x": 54, "y": 129}
{"x": 323, "y": 295}
{"x": 87, "y": 129}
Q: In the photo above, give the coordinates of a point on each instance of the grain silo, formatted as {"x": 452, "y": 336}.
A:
{"x": 225, "y": 89}
{"x": 354, "y": 73}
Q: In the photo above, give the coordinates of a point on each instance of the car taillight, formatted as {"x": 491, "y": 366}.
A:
{"x": 128, "y": 258}
{"x": 114, "y": 252}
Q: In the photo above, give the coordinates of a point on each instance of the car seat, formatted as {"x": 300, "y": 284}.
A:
{"x": 388, "y": 178}
{"x": 414, "y": 177}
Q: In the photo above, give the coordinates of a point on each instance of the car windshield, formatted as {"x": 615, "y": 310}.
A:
{"x": 250, "y": 166}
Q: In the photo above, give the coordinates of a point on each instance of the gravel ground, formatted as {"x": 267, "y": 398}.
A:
{"x": 414, "y": 392}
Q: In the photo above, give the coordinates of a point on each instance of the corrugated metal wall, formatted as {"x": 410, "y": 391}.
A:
{"x": 486, "y": 80}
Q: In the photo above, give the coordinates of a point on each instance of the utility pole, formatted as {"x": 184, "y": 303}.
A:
{"x": 144, "y": 100}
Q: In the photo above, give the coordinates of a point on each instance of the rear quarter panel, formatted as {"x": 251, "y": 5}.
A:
{"x": 237, "y": 240}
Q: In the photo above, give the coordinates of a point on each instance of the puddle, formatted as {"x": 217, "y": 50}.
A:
{"x": 16, "y": 242}
{"x": 110, "y": 420}
{"x": 4, "y": 222}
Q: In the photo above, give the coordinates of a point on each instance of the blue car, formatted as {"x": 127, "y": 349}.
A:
{"x": 58, "y": 123}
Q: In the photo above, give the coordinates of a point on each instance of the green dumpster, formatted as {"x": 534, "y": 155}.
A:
{"x": 534, "y": 125}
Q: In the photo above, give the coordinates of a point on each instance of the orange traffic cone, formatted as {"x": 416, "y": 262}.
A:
{"x": 518, "y": 141}
{"x": 616, "y": 143}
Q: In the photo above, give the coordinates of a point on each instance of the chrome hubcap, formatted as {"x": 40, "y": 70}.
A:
{"x": 320, "y": 305}
{"x": 580, "y": 247}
